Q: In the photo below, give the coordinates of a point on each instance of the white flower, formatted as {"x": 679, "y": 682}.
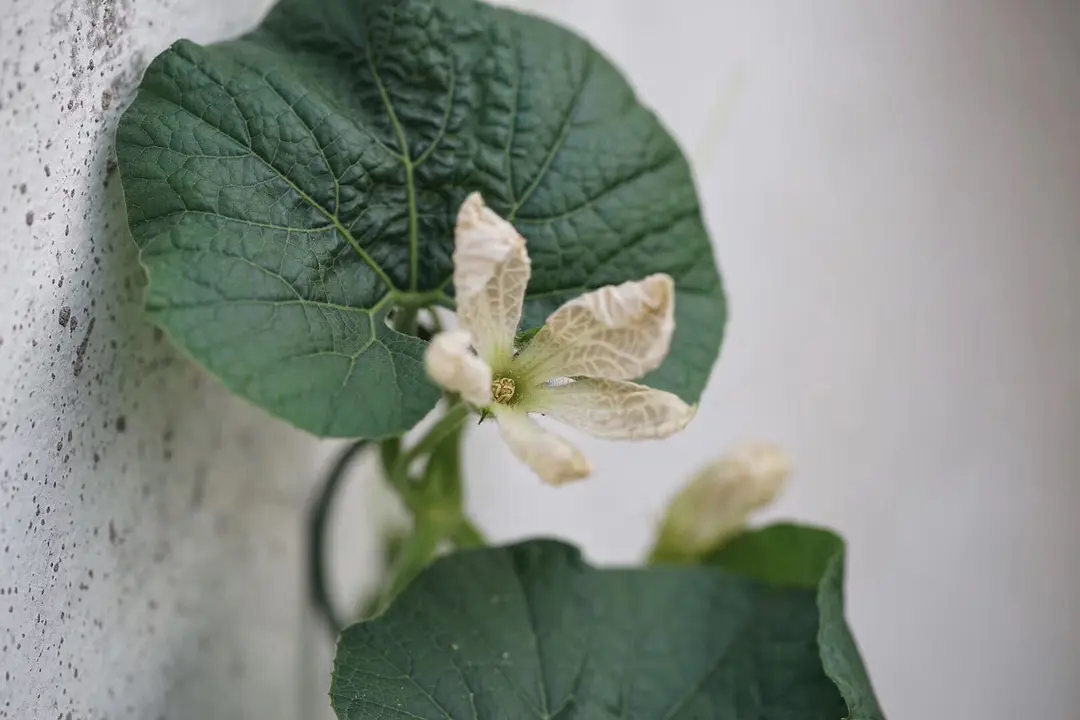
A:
{"x": 716, "y": 504}
{"x": 576, "y": 369}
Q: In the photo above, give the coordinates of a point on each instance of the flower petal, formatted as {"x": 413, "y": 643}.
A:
{"x": 491, "y": 272}
{"x": 619, "y": 332}
{"x": 613, "y": 409}
{"x": 451, "y": 364}
{"x": 551, "y": 457}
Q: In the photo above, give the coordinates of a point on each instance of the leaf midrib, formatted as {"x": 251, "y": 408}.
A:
{"x": 406, "y": 159}
{"x": 731, "y": 649}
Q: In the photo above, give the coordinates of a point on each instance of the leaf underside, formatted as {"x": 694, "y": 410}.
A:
{"x": 530, "y": 631}
{"x": 288, "y": 188}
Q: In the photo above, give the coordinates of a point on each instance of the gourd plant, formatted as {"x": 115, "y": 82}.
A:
{"x": 315, "y": 200}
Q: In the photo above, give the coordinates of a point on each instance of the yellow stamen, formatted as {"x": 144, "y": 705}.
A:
{"x": 502, "y": 389}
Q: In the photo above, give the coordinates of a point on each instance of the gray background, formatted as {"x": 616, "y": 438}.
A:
{"x": 894, "y": 192}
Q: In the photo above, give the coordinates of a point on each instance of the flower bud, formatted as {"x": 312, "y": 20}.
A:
{"x": 451, "y": 363}
{"x": 717, "y": 502}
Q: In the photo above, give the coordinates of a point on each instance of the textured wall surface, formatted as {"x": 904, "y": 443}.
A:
{"x": 149, "y": 544}
{"x": 892, "y": 190}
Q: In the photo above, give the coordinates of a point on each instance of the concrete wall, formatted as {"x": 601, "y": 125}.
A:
{"x": 149, "y": 553}
{"x": 893, "y": 192}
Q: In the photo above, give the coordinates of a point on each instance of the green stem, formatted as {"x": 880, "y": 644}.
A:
{"x": 405, "y": 322}
{"x": 466, "y": 535}
{"x": 435, "y": 501}
{"x": 443, "y": 476}
{"x": 389, "y": 450}
{"x": 448, "y": 425}
{"x": 413, "y": 557}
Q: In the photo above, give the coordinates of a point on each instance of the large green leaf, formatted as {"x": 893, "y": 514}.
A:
{"x": 788, "y": 555}
{"x": 529, "y": 631}
{"x": 288, "y": 188}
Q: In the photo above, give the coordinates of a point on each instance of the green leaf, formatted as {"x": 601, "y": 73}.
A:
{"x": 530, "y": 631}
{"x": 798, "y": 556}
{"x": 286, "y": 189}
{"x": 782, "y": 554}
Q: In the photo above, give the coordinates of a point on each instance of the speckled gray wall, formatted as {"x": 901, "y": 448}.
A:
{"x": 150, "y": 564}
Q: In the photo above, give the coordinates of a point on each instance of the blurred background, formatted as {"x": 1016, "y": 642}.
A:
{"x": 893, "y": 190}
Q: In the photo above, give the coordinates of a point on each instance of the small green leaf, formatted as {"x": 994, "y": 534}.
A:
{"x": 782, "y": 554}
{"x": 530, "y": 631}
{"x": 798, "y": 556}
{"x": 286, "y": 189}
{"x": 523, "y": 338}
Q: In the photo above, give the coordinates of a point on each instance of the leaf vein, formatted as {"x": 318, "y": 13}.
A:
{"x": 564, "y": 133}
{"x": 311, "y": 131}
{"x": 303, "y": 195}
{"x": 609, "y": 190}
{"x": 512, "y": 132}
{"x": 410, "y": 183}
{"x": 444, "y": 125}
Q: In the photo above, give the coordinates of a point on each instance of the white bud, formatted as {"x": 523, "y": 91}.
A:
{"x": 451, "y": 364}
{"x": 717, "y": 502}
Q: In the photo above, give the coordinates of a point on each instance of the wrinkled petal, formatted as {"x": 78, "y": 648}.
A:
{"x": 753, "y": 473}
{"x": 717, "y": 503}
{"x": 613, "y": 409}
{"x": 491, "y": 272}
{"x": 551, "y": 457}
{"x": 619, "y": 332}
{"x": 451, "y": 364}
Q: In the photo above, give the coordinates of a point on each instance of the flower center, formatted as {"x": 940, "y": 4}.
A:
{"x": 502, "y": 389}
